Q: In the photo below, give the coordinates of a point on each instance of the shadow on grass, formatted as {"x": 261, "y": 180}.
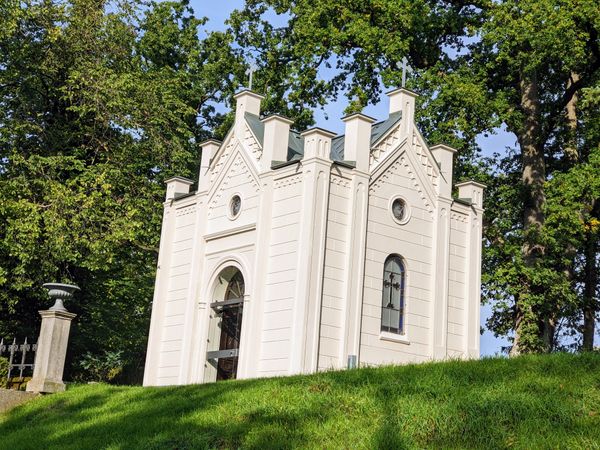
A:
{"x": 529, "y": 402}
{"x": 526, "y": 403}
{"x": 220, "y": 415}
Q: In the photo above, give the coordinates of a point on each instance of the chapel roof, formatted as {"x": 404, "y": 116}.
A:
{"x": 296, "y": 141}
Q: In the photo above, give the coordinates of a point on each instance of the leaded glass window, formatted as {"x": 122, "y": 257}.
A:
{"x": 392, "y": 302}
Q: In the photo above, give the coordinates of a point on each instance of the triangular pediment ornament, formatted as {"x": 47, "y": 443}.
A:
{"x": 427, "y": 161}
{"x": 385, "y": 146}
{"x": 402, "y": 164}
{"x": 236, "y": 165}
{"x": 251, "y": 143}
{"x": 219, "y": 160}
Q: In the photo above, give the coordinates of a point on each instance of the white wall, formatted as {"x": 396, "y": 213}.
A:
{"x": 457, "y": 284}
{"x": 334, "y": 275}
{"x": 413, "y": 241}
{"x": 282, "y": 273}
{"x": 178, "y": 280}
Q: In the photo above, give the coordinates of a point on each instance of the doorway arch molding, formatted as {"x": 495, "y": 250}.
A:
{"x": 210, "y": 295}
{"x": 223, "y": 263}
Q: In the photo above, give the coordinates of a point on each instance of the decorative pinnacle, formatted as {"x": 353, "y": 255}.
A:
{"x": 250, "y": 71}
{"x": 60, "y": 292}
{"x": 405, "y": 69}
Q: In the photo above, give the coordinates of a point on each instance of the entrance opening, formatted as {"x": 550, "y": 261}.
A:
{"x": 226, "y": 323}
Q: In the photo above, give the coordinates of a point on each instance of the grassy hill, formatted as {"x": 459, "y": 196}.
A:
{"x": 527, "y": 402}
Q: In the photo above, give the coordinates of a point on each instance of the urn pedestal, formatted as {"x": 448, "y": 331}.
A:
{"x": 52, "y": 342}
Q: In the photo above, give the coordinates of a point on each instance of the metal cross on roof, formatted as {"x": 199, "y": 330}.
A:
{"x": 250, "y": 71}
{"x": 405, "y": 69}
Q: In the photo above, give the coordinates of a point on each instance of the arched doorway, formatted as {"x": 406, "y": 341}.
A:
{"x": 226, "y": 323}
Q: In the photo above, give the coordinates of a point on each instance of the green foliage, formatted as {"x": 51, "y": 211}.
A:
{"x": 535, "y": 45}
{"x": 332, "y": 48}
{"x": 3, "y": 372}
{"x": 548, "y": 401}
{"x": 99, "y": 103}
{"x": 106, "y": 367}
{"x": 475, "y": 62}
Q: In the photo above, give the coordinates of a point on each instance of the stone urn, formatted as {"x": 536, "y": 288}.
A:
{"x": 60, "y": 292}
{"x": 52, "y": 341}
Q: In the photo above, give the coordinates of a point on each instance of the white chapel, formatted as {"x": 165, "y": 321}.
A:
{"x": 307, "y": 251}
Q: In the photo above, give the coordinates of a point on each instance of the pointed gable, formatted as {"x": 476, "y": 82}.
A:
{"x": 237, "y": 174}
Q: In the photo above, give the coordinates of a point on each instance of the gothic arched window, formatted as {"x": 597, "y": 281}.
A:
{"x": 392, "y": 301}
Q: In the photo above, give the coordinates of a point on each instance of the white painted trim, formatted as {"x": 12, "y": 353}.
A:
{"x": 221, "y": 149}
{"x": 440, "y": 282}
{"x": 232, "y": 249}
{"x": 233, "y": 260}
{"x": 230, "y": 214}
{"x": 188, "y": 360}
{"x": 393, "y": 337}
{"x": 288, "y": 171}
{"x": 408, "y": 210}
{"x": 212, "y": 191}
{"x": 161, "y": 285}
{"x": 310, "y": 265}
{"x": 355, "y": 266}
{"x": 261, "y": 268}
{"x": 384, "y": 164}
{"x": 229, "y": 232}
{"x": 434, "y": 162}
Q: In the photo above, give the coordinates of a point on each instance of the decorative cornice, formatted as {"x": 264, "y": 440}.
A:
{"x": 252, "y": 143}
{"x": 384, "y": 146}
{"x": 340, "y": 181}
{"x": 249, "y": 93}
{"x": 180, "y": 179}
{"x": 218, "y": 165}
{"x": 288, "y": 181}
{"x": 394, "y": 168}
{"x": 230, "y": 232}
{"x": 459, "y": 217}
{"x": 185, "y": 210}
{"x": 238, "y": 167}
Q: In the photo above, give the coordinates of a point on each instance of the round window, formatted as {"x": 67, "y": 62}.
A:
{"x": 235, "y": 205}
{"x": 400, "y": 210}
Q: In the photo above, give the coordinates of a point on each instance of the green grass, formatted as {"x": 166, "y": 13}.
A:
{"x": 528, "y": 402}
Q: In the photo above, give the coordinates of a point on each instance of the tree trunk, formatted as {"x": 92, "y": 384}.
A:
{"x": 533, "y": 177}
{"x": 571, "y": 150}
{"x": 590, "y": 303}
{"x": 571, "y": 153}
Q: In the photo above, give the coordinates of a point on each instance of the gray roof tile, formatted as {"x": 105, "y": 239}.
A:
{"x": 296, "y": 142}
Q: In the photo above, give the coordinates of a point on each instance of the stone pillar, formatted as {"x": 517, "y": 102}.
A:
{"x": 52, "y": 342}
{"x": 177, "y": 186}
{"x": 357, "y": 144}
{"x": 316, "y": 167}
{"x": 246, "y": 101}
{"x": 444, "y": 155}
{"x": 403, "y": 101}
{"x": 473, "y": 191}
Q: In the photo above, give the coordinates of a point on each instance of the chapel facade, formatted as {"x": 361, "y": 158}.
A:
{"x": 307, "y": 251}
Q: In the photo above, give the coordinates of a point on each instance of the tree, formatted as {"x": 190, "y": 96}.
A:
{"x": 352, "y": 48}
{"x": 99, "y": 103}
{"x": 520, "y": 64}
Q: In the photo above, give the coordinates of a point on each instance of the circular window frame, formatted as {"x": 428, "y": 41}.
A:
{"x": 408, "y": 210}
{"x": 230, "y": 214}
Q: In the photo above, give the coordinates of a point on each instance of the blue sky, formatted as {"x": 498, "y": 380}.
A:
{"x": 329, "y": 118}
